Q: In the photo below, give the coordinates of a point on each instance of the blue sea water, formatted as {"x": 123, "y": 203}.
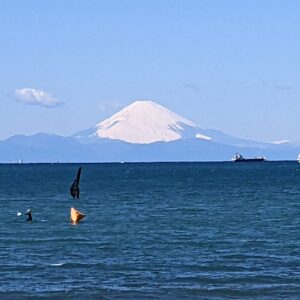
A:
{"x": 152, "y": 231}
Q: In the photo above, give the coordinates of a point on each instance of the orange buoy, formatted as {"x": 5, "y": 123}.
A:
{"x": 76, "y": 215}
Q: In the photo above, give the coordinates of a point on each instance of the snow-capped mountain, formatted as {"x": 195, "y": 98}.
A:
{"x": 145, "y": 122}
{"x": 142, "y": 131}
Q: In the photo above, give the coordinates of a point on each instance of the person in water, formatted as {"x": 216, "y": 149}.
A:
{"x": 29, "y": 215}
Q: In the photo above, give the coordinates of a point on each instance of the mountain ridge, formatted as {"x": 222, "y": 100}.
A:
{"x": 162, "y": 136}
{"x": 146, "y": 122}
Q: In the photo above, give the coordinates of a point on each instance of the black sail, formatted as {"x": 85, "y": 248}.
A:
{"x": 74, "y": 190}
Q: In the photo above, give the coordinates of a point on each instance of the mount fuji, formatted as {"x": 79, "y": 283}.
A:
{"x": 146, "y": 122}
{"x": 142, "y": 131}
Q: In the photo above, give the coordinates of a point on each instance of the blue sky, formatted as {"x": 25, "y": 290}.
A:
{"x": 228, "y": 65}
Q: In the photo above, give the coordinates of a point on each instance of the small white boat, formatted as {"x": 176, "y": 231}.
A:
{"x": 298, "y": 158}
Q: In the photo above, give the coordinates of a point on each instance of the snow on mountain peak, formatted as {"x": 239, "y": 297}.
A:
{"x": 145, "y": 122}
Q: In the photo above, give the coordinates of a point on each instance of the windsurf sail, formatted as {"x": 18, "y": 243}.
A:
{"x": 74, "y": 190}
{"x": 76, "y": 215}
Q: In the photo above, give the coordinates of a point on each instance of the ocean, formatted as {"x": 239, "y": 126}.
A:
{"x": 151, "y": 231}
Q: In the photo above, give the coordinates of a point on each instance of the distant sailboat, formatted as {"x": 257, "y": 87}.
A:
{"x": 298, "y": 158}
{"x": 74, "y": 190}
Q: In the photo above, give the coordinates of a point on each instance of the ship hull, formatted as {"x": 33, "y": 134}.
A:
{"x": 250, "y": 160}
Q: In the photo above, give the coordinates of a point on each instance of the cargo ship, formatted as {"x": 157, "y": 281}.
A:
{"x": 239, "y": 158}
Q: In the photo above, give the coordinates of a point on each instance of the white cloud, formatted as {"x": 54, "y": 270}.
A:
{"x": 36, "y": 97}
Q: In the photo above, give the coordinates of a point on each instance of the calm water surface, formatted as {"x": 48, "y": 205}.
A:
{"x": 152, "y": 231}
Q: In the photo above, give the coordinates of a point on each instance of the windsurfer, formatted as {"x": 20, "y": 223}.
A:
{"x": 74, "y": 190}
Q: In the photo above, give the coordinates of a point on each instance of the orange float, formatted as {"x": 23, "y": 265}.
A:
{"x": 76, "y": 215}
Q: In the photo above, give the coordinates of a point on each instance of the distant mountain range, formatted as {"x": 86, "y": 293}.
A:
{"x": 142, "y": 131}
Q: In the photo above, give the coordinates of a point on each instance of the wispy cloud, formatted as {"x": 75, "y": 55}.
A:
{"x": 192, "y": 86}
{"x": 281, "y": 142}
{"x": 32, "y": 96}
{"x": 282, "y": 87}
{"x": 109, "y": 105}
